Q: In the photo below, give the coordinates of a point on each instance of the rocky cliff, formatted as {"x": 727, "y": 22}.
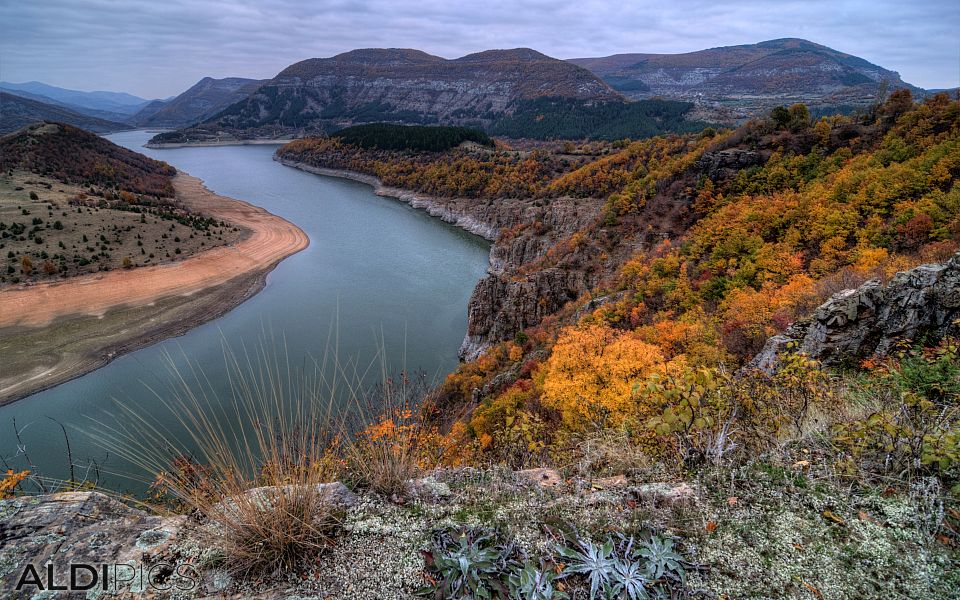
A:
{"x": 870, "y": 320}
{"x": 403, "y": 85}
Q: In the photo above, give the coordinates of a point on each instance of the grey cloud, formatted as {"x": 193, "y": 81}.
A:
{"x": 156, "y": 49}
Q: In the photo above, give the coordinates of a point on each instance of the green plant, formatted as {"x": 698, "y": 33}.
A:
{"x": 630, "y": 579}
{"x": 594, "y": 561}
{"x": 469, "y": 563}
{"x": 661, "y": 558}
{"x": 535, "y": 582}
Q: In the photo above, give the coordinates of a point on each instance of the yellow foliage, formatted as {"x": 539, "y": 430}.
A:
{"x": 591, "y": 372}
{"x": 10, "y": 482}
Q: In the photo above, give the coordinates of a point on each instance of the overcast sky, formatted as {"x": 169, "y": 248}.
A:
{"x": 158, "y": 48}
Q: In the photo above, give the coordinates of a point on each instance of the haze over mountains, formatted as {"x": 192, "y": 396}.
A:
{"x": 18, "y": 111}
{"x": 506, "y": 92}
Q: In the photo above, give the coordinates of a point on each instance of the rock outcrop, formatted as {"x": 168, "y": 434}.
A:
{"x": 87, "y": 528}
{"x": 871, "y": 319}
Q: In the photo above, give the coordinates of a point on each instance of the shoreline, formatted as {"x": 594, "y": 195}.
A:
{"x": 170, "y": 145}
{"x": 432, "y": 205}
{"x": 107, "y": 315}
{"x": 471, "y": 347}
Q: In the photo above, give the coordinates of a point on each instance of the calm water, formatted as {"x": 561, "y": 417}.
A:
{"x": 376, "y": 271}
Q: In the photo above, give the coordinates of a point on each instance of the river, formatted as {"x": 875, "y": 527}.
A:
{"x": 377, "y": 276}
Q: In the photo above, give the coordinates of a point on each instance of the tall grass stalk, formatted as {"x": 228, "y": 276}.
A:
{"x": 250, "y": 462}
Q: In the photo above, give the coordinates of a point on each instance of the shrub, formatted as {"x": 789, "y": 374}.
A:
{"x": 914, "y": 425}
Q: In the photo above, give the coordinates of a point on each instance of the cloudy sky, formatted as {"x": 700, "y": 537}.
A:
{"x": 157, "y": 48}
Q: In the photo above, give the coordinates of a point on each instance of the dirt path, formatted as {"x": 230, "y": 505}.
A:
{"x": 271, "y": 240}
{"x": 53, "y": 332}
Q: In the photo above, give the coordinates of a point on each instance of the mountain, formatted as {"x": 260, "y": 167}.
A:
{"x": 117, "y": 102}
{"x": 405, "y": 86}
{"x": 17, "y": 112}
{"x": 206, "y": 97}
{"x": 90, "y": 112}
{"x": 772, "y": 72}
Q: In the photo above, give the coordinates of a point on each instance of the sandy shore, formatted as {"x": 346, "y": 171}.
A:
{"x": 122, "y": 310}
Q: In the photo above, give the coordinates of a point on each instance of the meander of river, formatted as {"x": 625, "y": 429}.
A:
{"x": 380, "y": 284}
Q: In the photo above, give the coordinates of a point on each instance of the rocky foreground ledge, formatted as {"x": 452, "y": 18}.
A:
{"x": 748, "y": 533}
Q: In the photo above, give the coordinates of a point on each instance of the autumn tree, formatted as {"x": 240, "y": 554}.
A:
{"x": 591, "y": 372}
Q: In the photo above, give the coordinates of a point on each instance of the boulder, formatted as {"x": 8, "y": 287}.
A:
{"x": 871, "y": 319}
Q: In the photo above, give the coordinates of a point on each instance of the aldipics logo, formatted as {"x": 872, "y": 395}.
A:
{"x": 112, "y": 577}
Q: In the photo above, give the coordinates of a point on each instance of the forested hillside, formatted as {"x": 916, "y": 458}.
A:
{"x": 73, "y": 155}
{"x": 386, "y": 136}
{"x": 621, "y": 349}
{"x": 566, "y": 119}
{"x": 761, "y": 225}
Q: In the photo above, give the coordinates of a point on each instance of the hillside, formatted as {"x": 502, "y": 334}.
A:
{"x": 72, "y": 203}
{"x": 203, "y": 99}
{"x": 72, "y": 155}
{"x": 113, "y": 102}
{"x": 755, "y": 75}
{"x": 403, "y": 86}
{"x": 17, "y": 111}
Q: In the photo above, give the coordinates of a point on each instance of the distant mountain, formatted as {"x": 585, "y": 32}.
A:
{"x": 405, "y": 86}
{"x": 206, "y": 97}
{"x": 17, "y": 112}
{"x": 90, "y": 112}
{"x": 116, "y": 102}
{"x": 771, "y": 72}
{"x": 146, "y": 112}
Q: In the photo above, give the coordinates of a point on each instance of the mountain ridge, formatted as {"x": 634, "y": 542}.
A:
{"x": 17, "y": 112}
{"x": 202, "y": 99}
{"x": 118, "y": 102}
{"x": 757, "y": 76}
{"x": 403, "y": 85}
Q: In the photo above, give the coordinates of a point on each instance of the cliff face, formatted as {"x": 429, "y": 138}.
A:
{"x": 403, "y": 85}
{"x": 871, "y": 319}
{"x": 510, "y": 299}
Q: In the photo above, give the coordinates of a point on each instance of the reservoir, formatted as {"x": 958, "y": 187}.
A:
{"x": 380, "y": 283}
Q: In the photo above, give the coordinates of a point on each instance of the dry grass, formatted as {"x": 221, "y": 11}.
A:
{"x": 254, "y": 477}
{"x": 255, "y": 458}
{"x": 388, "y": 438}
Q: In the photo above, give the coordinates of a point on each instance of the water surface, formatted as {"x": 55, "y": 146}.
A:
{"x": 377, "y": 273}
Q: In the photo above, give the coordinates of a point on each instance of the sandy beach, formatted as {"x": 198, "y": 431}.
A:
{"x": 107, "y": 314}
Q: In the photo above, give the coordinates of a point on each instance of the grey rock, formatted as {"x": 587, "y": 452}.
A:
{"x": 871, "y": 319}
{"x": 79, "y": 527}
